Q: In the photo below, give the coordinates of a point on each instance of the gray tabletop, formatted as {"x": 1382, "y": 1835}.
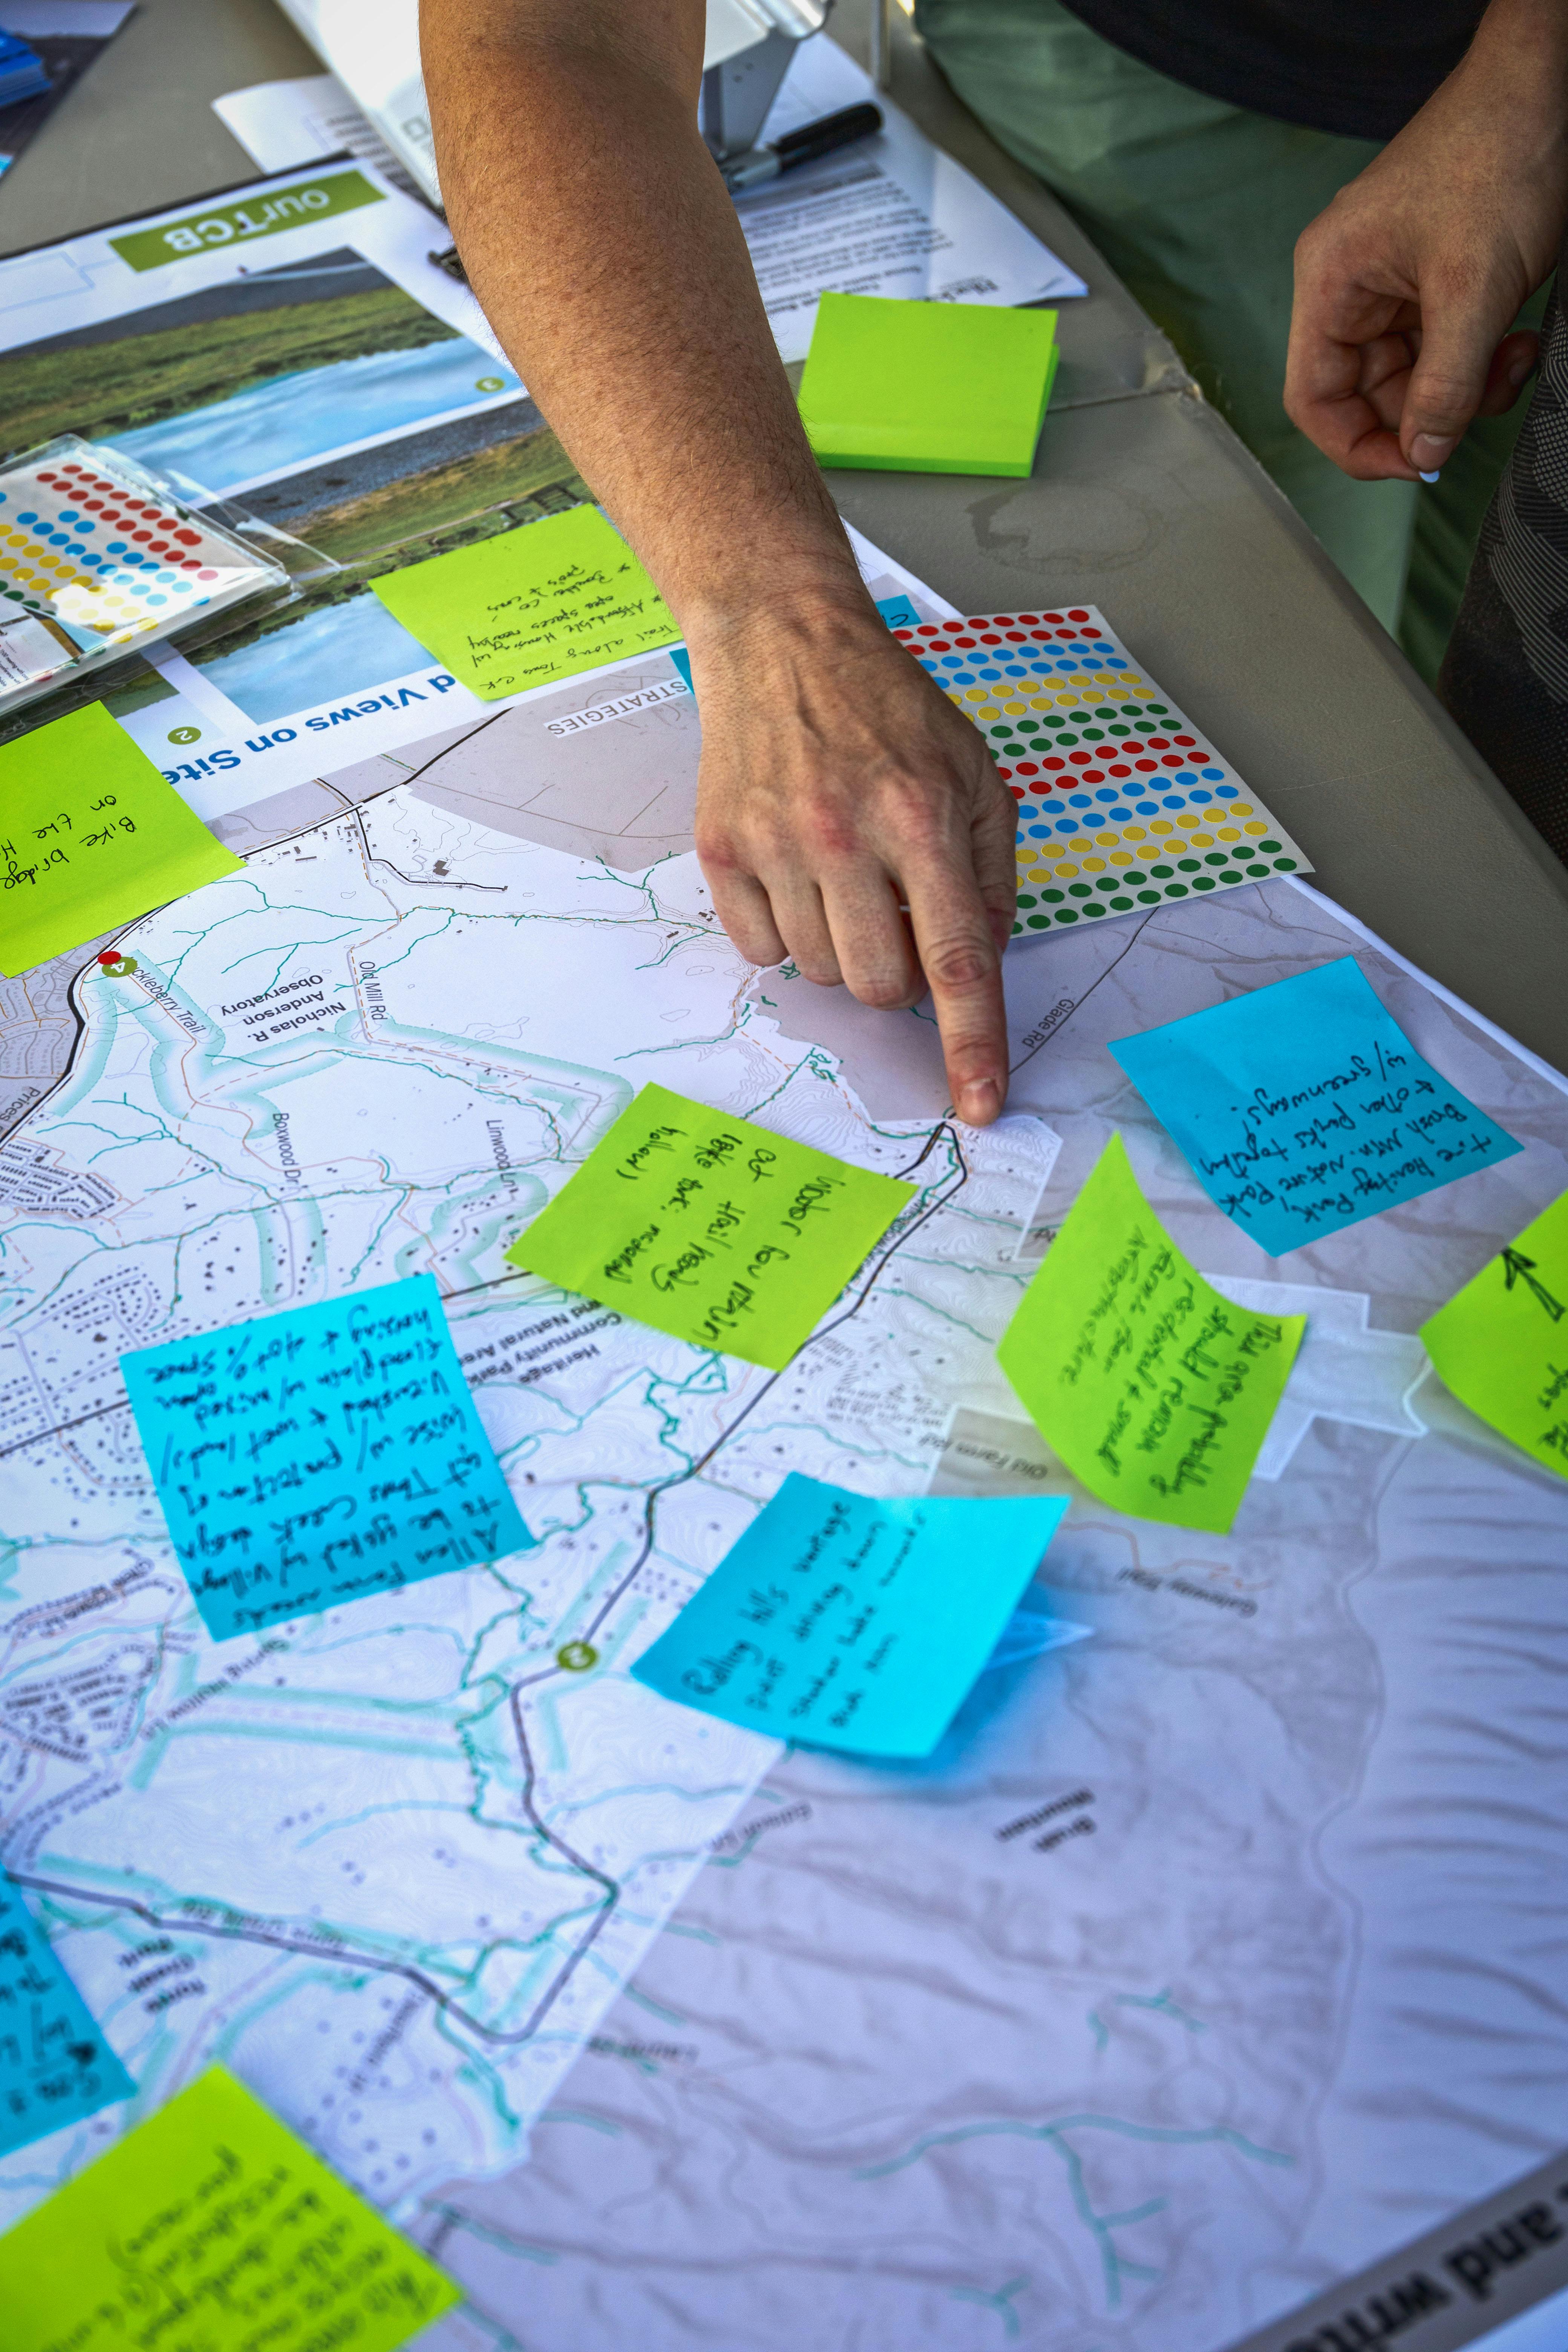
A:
{"x": 1142, "y": 502}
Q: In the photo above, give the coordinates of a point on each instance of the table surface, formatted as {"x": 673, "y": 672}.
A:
{"x": 1142, "y": 502}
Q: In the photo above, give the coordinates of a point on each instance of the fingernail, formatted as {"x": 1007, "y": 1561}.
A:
{"x": 980, "y": 1102}
{"x": 1431, "y": 477}
{"x": 1429, "y": 449}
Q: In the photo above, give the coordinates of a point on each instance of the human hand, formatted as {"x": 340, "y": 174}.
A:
{"x": 838, "y": 788}
{"x": 1407, "y": 285}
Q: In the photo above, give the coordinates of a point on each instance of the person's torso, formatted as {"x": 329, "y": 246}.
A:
{"x": 1360, "y": 67}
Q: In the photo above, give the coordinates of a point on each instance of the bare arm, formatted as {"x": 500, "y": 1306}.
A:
{"x": 1407, "y": 285}
{"x": 838, "y": 785}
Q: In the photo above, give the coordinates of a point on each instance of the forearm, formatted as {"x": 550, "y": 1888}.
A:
{"x": 599, "y": 237}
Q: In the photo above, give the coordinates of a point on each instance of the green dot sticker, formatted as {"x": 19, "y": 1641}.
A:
{"x": 576, "y": 1657}
{"x": 1162, "y": 873}
{"x": 184, "y": 734}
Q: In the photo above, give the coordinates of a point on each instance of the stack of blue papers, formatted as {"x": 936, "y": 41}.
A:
{"x": 22, "y": 72}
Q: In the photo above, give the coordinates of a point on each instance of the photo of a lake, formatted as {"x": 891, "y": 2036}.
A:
{"x": 258, "y": 375}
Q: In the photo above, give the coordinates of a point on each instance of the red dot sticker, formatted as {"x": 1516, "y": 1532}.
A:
{"x": 1053, "y": 763}
{"x": 108, "y": 955}
{"x": 1121, "y": 771}
{"x": 1145, "y": 767}
{"x": 206, "y": 574}
{"x": 1172, "y": 759}
{"x": 940, "y": 646}
{"x": 1158, "y": 743}
{"x": 929, "y": 629}
{"x": 1028, "y": 768}
{"x": 1017, "y": 790}
{"x": 1077, "y": 612}
{"x": 1093, "y": 776}
{"x": 967, "y": 642}
{"x": 1184, "y": 738}
{"x": 1080, "y": 759}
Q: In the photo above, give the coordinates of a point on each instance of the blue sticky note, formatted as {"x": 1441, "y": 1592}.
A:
{"x": 682, "y": 660}
{"x": 843, "y": 1622}
{"x": 55, "y": 2066}
{"x": 1304, "y": 1107}
{"x": 314, "y": 1456}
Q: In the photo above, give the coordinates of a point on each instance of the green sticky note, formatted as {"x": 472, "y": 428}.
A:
{"x": 709, "y": 1228}
{"x": 90, "y": 838}
{"x": 212, "y": 2229}
{"x": 534, "y": 605}
{"x": 1501, "y": 1343}
{"x": 1156, "y": 1391}
{"x": 927, "y": 387}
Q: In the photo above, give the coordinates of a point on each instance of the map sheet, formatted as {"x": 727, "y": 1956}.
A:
{"x": 1203, "y": 1962}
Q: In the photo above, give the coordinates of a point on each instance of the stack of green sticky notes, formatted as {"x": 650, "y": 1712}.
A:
{"x": 927, "y": 387}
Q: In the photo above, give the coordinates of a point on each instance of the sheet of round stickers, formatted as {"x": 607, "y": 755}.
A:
{"x": 1122, "y": 803}
{"x": 84, "y": 546}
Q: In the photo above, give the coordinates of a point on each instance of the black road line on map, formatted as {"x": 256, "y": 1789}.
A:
{"x": 1080, "y": 1001}
{"x": 41, "y": 1437}
{"x": 694, "y": 1469}
{"x": 178, "y": 1924}
{"x": 564, "y": 1975}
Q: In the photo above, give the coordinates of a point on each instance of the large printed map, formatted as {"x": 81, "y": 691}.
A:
{"x": 1199, "y": 1965}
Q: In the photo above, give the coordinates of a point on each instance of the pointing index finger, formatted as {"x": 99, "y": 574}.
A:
{"x": 958, "y": 953}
